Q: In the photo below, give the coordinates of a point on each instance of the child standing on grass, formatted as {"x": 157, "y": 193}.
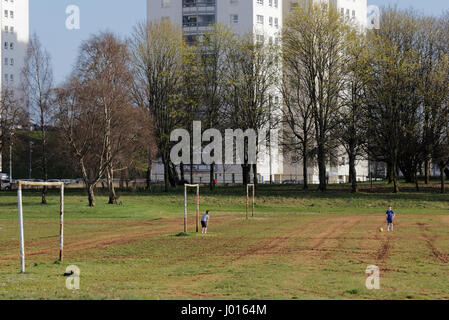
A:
{"x": 204, "y": 220}
{"x": 390, "y": 219}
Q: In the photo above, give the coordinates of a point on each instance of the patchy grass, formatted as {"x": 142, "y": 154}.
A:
{"x": 300, "y": 245}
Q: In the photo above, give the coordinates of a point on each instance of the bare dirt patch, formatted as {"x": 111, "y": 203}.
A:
{"x": 430, "y": 242}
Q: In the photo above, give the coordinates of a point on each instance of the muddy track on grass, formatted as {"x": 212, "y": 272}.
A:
{"x": 430, "y": 242}
{"x": 285, "y": 244}
{"x": 54, "y": 240}
{"x": 106, "y": 238}
{"x": 384, "y": 251}
{"x": 339, "y": 235}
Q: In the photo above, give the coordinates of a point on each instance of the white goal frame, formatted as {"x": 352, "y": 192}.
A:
{"x": 253, "y": 199}
{"x": 197, "y": 186}
{"x": 61, "y": 218}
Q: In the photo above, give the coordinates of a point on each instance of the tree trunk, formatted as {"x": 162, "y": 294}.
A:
{"x": 245, "y": 173}
{"x": 395, "y": 179}
{"x": 426, "y": 171}
{"x": 211, "y": 177}
{"x": 255, "y": 180}
{"x": 173, "y": 175}
{"x": 181, "y": 168}
{"x": 305, "y": 173}
{"x": 352, "y": 172}
{"x": 166, "y": 169}
{"x": 148, "y": 177}
{"x": 110, "y": 181}
{"x": 389, "y": 172}
{"x": 322, "y": 168}
{"x": 416, "y": 181}
{"x": 442, "y": 179}
{"x": 304, "y": 166}
{"x": 90, "y": 195}
{"x": 44, "y": 163}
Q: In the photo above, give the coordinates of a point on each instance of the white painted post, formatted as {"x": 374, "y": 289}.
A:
{"x": 247, "y": 200}
{"x": 254, "y": 191}
{"x": 22, "y": 244}
{"x": 61, "y": 225}
{"x": 197, "y": 208}
{"x": 185, "y": 208}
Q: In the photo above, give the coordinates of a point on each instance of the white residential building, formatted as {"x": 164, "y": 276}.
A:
{"x": 15, "y": 38}
{"x": 265, "y": 19}
{"x": 14, "y": 41}
{"x": 354, "y": 9}
{"x": 337, "y": 170}
{"x": 260, "y": 17}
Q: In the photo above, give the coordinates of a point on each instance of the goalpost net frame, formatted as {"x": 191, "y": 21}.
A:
{"x": 197, "y": 186}
{"x": 253, "y": 198}
{"x": 61, "y": 217}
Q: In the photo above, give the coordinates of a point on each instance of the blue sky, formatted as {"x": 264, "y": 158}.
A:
{"x": 47, "y": 19}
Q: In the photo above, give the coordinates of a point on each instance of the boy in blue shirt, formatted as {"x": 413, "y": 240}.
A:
{"x": 204, "y": 221}
{"x": 390, "y": 219}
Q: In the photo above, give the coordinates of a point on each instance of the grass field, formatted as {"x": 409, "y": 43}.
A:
{"x": 300, "y": 245}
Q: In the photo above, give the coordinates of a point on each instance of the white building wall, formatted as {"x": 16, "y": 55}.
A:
{"x": 14, "y": 21}
{"x": 242, "y": 16}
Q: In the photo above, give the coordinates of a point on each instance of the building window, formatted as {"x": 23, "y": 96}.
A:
{"x": 165, "y": 3}
{"x": 259, "y": 19}
{"x": 260, "y": 2}
{"x": 234, "y": 18}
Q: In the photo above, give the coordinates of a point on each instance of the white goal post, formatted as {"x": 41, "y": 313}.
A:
{"x": 247, "y": 199}
{"x": 197, "y": 186}
{"x": 61, "y": 217}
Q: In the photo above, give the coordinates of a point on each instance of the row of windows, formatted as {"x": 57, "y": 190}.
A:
{"x": 261, "y": 20}
{"x": 342, "y": 10}
{"x": 9, "y": 62}
{"x": 8, "y": 45}
{"x": 260, "y": 38}
{"x": 9, "y": 77}
{"x": 9, "y": 14}
{"x": 270, "y": 3}
{"x": 9, "y": 29}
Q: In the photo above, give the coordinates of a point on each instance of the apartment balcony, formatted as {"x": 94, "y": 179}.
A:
{"x": 198, "y": 3}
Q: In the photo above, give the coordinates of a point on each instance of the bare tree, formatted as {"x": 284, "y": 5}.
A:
{"x": 251, "y": 85}
{"x": 10, "y": 116}
{"x": 315, "y": 34}
{"x": 104, "y": 66}
{"x": 156, "y": 51}
{"x": 37, "y": 79}
{"x": 213, "y": 52}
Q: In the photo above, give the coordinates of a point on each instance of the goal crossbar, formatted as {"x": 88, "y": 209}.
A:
{"x": 247, "y": 199}
{"x": 61, "y": 217}
{"x": 197, "y": 186}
